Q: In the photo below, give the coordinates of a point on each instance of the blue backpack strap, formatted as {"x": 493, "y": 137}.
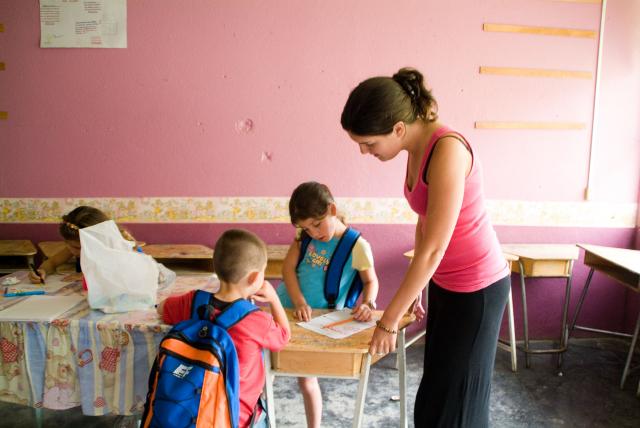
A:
{"x": 234, "y": 313}
{"x": 200, "y": 298}
{"x": 304, "y": 243}
{"x": 336, "y": 266}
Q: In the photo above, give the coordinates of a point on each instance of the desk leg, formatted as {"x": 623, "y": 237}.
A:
{"x": 581, "y": 301}
{"x": 625, "y": 372}
{"x": 564, "y": 338}
{"x": 362, "y": 391}
{"x": 37, "y": 412}
{"x": 402, "y": 377}
{"x": 512, "y": 334}
{"x": 268, "y": 388}
{"x": 524, "y": 316}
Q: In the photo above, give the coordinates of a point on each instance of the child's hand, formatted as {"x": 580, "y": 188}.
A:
{"x": 34, "y": 278}
{"x": 302, "y": 312}
{"x": 362, "y": 313}
{"x": 265, "y": 294}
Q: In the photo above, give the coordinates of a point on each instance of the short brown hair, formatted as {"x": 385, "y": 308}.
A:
{"x": 237, "y": 253}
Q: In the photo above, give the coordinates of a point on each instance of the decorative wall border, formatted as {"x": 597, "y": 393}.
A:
{"x": 274, "y": 210}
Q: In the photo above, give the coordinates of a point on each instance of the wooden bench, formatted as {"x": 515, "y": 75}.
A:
{"x": 184, "y": 259}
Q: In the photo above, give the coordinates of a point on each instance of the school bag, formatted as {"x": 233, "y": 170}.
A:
{"x": 194, "y": 381}
{"x": 337, "y": 264}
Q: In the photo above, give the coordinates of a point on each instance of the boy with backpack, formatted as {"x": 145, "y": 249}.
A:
{"x": 239, "y": 259}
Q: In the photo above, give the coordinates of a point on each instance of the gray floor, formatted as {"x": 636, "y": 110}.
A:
{"x": 587, "y": 395}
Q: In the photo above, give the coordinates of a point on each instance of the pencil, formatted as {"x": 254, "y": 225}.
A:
{"x": 333, "y": 324}
{"x": 33, "y": 268}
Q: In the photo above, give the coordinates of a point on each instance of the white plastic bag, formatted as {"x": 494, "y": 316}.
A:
{"x": 118, "y": 278}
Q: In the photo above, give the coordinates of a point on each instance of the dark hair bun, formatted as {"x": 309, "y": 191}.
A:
{"x": 411, "y": 80}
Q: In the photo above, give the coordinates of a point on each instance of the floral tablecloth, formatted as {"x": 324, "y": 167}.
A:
{"x": 85, "y": 358}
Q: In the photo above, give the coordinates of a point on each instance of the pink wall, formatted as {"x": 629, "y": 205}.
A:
{"x": 160, "y": 117}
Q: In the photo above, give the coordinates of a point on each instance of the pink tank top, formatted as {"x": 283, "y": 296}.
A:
{"x": 473, "y": 260}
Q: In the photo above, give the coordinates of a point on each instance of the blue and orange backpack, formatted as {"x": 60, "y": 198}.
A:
{"x": 194, "y": 381}
{"x": 337, "y": 264}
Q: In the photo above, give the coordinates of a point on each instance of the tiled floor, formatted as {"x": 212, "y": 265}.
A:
{"x": 587, "y": 395}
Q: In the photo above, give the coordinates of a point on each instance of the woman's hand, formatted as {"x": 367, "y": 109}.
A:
{"x": 362, "y": 313}
{"x": 35, "y": 279}
{"x": 302, "y": 312}
{"x": 383, "y": 342}
{"x": 417, "y": 309}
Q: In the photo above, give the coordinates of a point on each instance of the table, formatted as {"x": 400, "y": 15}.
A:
{"x": 622, "y": 265}
{"x": 275, "y": 259}
{"x": 544, "y": 261}
{"x": 16, "y": 255}
{"x": 509, "y": 346}
{"x": 85, "y": 358}
{"x": 312, "y": 354}
{"x": 184, "y": 259}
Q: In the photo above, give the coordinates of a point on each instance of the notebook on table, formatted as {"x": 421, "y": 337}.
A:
{"x": 40, "y": 308}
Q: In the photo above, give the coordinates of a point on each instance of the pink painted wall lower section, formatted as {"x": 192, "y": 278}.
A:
{"x": 608, "y": 306}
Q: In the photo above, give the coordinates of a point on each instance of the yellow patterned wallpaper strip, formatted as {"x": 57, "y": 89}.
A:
{"x": 274, "y": 210}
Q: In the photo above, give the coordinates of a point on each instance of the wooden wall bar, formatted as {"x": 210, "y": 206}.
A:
{"x": 542, "y": 31}
{"x": 529, "y": 125}
{"x": 536, "y": 72}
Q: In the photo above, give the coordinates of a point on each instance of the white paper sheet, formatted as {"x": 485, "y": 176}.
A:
{"x": 323, "y": 324}
{"x": 83, "y": 23}
{"x": 39, "y": 308}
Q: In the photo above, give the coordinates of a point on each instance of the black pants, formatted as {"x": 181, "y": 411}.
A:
{"x": 461, "y": 341}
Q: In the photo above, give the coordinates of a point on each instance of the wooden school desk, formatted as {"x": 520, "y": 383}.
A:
{"x": 50, "y": 248}
{"x": 544, "y": 261}
{"x": 183, "y": 259}
{"x": 312, "y": 354}
{"x": 509, "y": 346}
{"x": 16, "y": 255}
{"x": 622, "y": 265}
{"x": 275, "y": 259}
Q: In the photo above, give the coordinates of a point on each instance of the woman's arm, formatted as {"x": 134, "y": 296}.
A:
{"x": 302, "y": 311}
{"x": 449, "y": 166}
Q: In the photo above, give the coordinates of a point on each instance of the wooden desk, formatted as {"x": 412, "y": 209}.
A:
{"x": 544, "y": 261}
{"x": 509, "y": 346}
{"x": 623, "y": 266}
{"x": 50, "y": 248}
{"x": 275, "y": 258}
{"x": 312, "y": 354}
{"x": 16, "y": 255}
{"x": 184, "y": 259}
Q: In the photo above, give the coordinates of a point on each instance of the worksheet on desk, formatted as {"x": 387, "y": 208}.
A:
{"x": 337, "y": 324}
{"x": 17, "y": 282}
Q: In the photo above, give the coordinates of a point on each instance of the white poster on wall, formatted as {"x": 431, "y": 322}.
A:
{"x": 83, "y": 23}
